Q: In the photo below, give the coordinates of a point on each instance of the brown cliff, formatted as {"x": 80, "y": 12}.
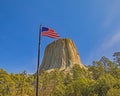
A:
{"x": 61, "y": 54}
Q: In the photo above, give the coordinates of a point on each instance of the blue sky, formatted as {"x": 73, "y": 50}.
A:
{"x": 94, "y": 26}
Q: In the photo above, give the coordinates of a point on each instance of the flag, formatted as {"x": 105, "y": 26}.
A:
{"x": 49, "y": 33}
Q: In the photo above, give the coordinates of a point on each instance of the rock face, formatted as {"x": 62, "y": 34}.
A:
{"x": 61, "y": 54}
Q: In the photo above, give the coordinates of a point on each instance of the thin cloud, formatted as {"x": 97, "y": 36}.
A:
{"x": 109, "y": 45}
{"x": 111, "y": 42}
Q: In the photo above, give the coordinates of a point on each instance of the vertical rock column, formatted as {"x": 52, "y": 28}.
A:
{"x": 61, "y": 54}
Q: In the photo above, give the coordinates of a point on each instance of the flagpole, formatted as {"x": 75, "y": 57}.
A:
{"x": 37, "y": 79}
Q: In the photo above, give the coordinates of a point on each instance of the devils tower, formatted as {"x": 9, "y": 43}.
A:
{"x": 61, "y": 54}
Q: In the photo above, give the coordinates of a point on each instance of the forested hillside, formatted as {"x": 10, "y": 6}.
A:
{"x": 102, "y": 78}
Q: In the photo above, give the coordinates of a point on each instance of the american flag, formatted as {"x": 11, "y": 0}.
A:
{"x": 49, "y": 33}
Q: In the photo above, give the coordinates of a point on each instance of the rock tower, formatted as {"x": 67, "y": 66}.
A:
{"x": 61, "y": 54}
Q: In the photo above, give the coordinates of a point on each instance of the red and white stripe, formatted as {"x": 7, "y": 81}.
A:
{"x": 50, "y": 33}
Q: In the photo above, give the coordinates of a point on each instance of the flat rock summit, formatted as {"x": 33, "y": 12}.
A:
{"x": 61, "y": 54}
